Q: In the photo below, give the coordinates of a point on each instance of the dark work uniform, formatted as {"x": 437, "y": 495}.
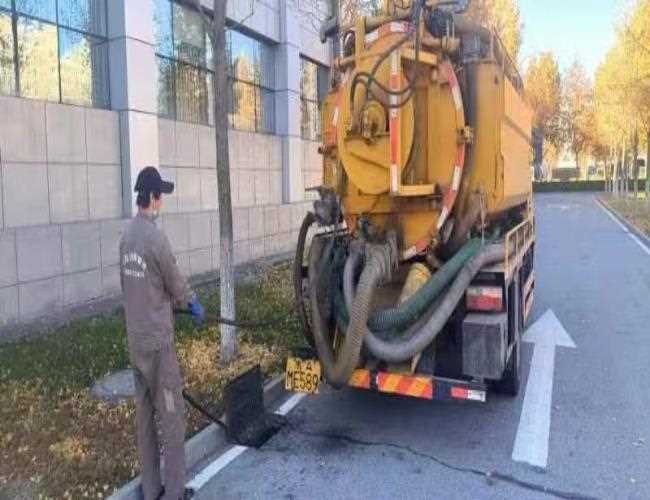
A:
{"x": 152, "y": 286}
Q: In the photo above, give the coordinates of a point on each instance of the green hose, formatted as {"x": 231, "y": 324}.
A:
{"x": 411, "y": 309}
{"x": 398, "y": 318}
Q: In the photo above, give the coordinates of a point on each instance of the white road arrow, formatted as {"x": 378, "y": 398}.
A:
{"x": 531, "y": 443}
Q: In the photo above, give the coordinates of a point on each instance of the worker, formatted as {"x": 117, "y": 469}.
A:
{"x": 153, "y": 287}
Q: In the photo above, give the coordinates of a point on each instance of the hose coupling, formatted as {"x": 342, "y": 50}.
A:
{"x": 384, "y": 256}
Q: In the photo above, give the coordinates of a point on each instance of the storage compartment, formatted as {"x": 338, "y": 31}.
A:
{"x": 485, "y": 342}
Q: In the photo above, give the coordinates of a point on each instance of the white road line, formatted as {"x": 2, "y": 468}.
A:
{"x": 531, "y": 441}
{"x": 203, "y": 477}
{"x": 290, "y": 404}
{"x": 634, "y": 237}
{"x": 222, "y": 461}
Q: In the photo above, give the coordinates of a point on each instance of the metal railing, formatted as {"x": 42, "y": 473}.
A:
{"x": 517, "y": 242}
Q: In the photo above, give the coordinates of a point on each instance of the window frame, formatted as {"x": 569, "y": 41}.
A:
{"x": 232, "y": 80}
{"x": 15, "y": 15}
{"x": 310, "y": 100}
{"x": 174, "y": 60}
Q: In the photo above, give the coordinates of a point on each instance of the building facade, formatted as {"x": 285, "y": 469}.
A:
{"x": 92, "y": 91}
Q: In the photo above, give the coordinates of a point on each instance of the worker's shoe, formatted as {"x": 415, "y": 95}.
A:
{"x": 187, "y": 495}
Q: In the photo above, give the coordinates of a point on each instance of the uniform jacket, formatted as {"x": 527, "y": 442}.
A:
{"x": 152, "y": 284}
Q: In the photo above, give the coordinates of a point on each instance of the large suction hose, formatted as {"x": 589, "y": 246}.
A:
{"x": 405, "y": 314}
{"x": 338, "y": 370}
{"x": 420, "y": 334}
{"x": 404, "y": 349}
{"x": 308, "y": 221}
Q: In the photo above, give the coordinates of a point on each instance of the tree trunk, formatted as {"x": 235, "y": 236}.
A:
{"x": 635, "y": 172}
{"x": 625, "y": 184}
{"x": 609, "y": 165}
{"x": 647, "y": 167}
{"x": 618, "y": 170}
{"x": 635, "y": 167}
{"x": 226, "y": 263}
{"x": 610, "y": 177}
{"x": 614, "y": 164}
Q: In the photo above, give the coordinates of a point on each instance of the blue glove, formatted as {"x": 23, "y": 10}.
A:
{"x": 198, "y": 313}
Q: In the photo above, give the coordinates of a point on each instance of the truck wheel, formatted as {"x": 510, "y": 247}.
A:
{"x": 510, "y": 382}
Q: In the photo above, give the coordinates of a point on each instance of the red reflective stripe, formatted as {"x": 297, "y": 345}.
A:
{"x": 428, "y": 391}
{"x": 459, "y": 159}
{"x": 415, "y": 386}
{"x": 393, "y": 139}
{"x": 460, "y": 155}
{"x": 360, "y": 379}
{"x": 421, "y": 245}
{"x": 450, "y": 198}
{"x": 404, "y": 385}
{"x": 451, "y": 76}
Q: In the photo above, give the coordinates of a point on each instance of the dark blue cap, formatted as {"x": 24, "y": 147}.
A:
{"x": 149, "y": 181}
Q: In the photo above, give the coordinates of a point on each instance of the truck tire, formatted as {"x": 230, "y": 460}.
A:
{"x": 511, "y": 380}
{"x": 509, "y": 384}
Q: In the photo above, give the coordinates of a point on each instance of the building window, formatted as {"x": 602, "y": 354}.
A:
{"x": 252, "y": 75}
{"x": 313, "y": 88}
{"x": 184, "y": 76}
{"x": 55, "y": 50}
{"x": 185, "y": 72}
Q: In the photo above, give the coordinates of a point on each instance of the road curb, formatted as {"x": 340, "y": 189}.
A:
{"x": 629, "y": 225}
{"x": 205, "y": 443}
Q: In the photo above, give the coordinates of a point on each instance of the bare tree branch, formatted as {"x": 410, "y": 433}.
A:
{"x": 206, "y": 15}
{"x": 251, "y": 13}
{"x": 208, "y": 20}
{"x": 314, "y": 11}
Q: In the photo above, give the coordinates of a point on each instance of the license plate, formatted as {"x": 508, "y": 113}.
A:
{"x": 302, "y": 375}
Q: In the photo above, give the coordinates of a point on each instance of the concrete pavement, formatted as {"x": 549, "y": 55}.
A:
{"x": 348, "y": 444}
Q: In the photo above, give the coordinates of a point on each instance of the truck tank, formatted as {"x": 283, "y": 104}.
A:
{"x": 426, "y": 143}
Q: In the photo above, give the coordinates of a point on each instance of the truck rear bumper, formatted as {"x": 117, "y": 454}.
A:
{"x": 418, "y": 386}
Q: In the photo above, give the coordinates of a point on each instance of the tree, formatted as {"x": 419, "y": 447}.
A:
{"x": 349, "y": 10}
{"x": 215, "y": 23}
{"x": 578, "y": 114}
{"x": 623, "y": 91}
{"x": 636, "y": 40}
{"x": 612, "y": 109}
{"x": 504, "y": 18}
{"x": 544, "y": 94}
{"x": 6, "y": 55}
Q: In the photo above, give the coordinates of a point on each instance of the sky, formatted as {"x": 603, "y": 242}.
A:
{"x": 582, "y": 29}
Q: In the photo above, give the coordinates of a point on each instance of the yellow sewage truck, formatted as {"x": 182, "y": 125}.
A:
{"x": 414, "y": 271}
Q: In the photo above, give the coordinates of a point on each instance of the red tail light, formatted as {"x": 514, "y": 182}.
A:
{"x": 484, "y": 298}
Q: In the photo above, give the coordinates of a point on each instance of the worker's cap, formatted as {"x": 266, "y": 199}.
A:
{"x": 149, "y": 181}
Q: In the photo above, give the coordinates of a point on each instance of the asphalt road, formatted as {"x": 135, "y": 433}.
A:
{"x": 350, "y": 444}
